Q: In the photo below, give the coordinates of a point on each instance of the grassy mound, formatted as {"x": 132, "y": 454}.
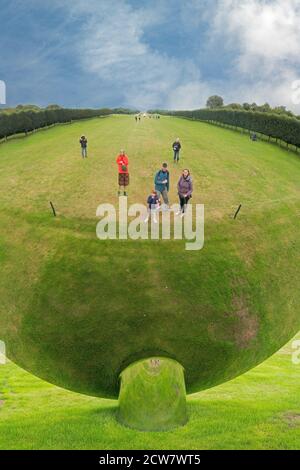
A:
{"x": 152, "y": 395}
{"x": 76, "y": 311}
{"x": 258, "y": 410}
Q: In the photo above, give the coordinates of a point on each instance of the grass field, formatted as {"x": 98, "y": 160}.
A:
{"x": 76, "y": 311}
{"x": 259, "y": 410}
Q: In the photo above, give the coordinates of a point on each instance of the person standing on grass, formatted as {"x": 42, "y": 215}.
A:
{"x": 162, "y": 183}
{"x": 176, "y": 149}
{"x": 185, "y": 190}
{"x": 122, "y": 162}
{"x": 153, "y": 203}
{"x": 83, "y": 142}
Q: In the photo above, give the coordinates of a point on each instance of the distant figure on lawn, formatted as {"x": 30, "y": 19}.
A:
{"x": 253, "y": 137}
{"x": 185, "y": 190}
{"x": 83, "y": 142}
{"x": 162, "y": 183}
{"x": 153, "y": 203}
{"x": 176, "y": 149}
{"x": 122, "y": 162}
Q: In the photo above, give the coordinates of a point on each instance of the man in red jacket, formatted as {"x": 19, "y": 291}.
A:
{"x": 122, "y": 162}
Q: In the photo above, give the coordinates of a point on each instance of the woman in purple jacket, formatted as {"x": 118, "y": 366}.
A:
{"x": 185, "y": 190}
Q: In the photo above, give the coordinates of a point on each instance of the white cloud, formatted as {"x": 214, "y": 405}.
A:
{"x": 267, "y": 33}
{"x": 265, "y": 38}
{"x": 112, "y": 46}
{"x": 189, "y": 96}
{"x": 249, "y": 49}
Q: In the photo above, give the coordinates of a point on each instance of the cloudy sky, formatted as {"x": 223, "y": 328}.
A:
{"x": 149, "y": 53}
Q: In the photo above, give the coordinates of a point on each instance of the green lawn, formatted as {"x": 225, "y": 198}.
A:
{"x": 76, "y": 311}
{"x": 258, "y": 410}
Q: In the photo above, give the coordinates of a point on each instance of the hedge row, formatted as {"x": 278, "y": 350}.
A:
{"x": 276, "y": 126}
{"x": 26, "y": 121}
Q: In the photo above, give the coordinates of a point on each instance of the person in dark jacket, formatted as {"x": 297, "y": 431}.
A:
{"x": 162, "y": 183}
{"x": 153, "y": 203}
{"x": 176, "y": 149}
{"x": 185, "y": 190}
{"x": 83, "y": 143}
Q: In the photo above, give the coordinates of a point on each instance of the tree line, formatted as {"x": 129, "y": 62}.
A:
{"x": 24, "y": 119}
{"x": 216, "y": 101}
{"x": 277, "y": 126}
{"x": 277, "y": 123}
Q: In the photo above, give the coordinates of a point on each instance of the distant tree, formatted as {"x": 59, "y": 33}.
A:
{"x": 26, "y": 107}
{"x": 234, "y": 106}
{"x": 124, "y": 111}
{"x": 265, "y": 108}
{"x": 280, "y": 109}
{"x": 53, "y": 106}
{"x": 247, "y": 106}
{"x": 215, "y": 101}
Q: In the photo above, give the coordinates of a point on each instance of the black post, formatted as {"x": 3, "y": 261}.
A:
{"x": 237, "y": 212}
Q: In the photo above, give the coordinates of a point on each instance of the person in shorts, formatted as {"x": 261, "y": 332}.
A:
{"x": 122, "y": 162}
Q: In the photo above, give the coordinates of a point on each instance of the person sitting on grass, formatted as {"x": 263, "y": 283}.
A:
{"x": 176, "y": 149}
{"x": 185, "y": 189}
{"x": 83, "y": 142}
{"x": 162, "y": 184}
{"x": 122, "y": 162}
{"x": 153, "y": 203}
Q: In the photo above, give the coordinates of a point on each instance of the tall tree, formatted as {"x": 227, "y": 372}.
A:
{"x": 215, "y": 101}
